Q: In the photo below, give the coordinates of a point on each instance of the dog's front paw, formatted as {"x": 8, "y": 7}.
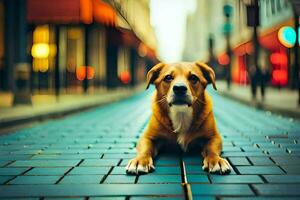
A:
{"x": 140, "y": 165}
{"x": 216, "y": 164}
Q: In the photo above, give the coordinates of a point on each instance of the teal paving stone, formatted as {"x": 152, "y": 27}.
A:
{"x": 162, "y": 162}
{"x": 66, "y": 156}
{"x": 282, "y": 178}
{"x": 124, "y": 162}
{"x": 278, "y": 189}
{"x": 123, "y": 145}
{"x": 107, "y": 198}
{"x": 14, "y": 157}
{"x": 203, "y": 198}
{"x": 195, "y": 178}
{"x": 12, "y": 171}
{"x": 197, "y": 169}
{"x": 194, "y": 169}
{"x": 221, "y": 189}
{"x": 81, "y": 179}
{"x": 236, "y": 179}
{"x": 286, "y": 160}
{"x": 251, "y": 148}
{"x": 120, "y": 179}
{"x": 278, "y": 153}
{"x": 22, "y": 180}
{"x": 89, "y": 170}
{"x": 90, "y": 190}
{"x": 157, "y": 198}
{"x": 230, "y": 149}
{"x": 239, "y": 161}
{"x": 45, "y": 157}
{"x": 106, "y": 155}
{"x": 100, "y": 162}
{"x": 20, "y": 198}
{"x": 197, "y": 160}
{"x": 150, "y": 178}
{"x": 260, "y": 198}
{"x": 48, "y": 171}
{"x": 3, "y": 179}
{"x": 259, "y": 170}
{"x": 291, "y": 169}
{"x": 4, "y": 162}
{"x": 64, "y": 198}
{"x": 243, "y": 154}
{"x": 261, "y": 161}
{"x": 121, "y": 151}
{"x": 27, "y": 152}
{"x": 44, "y": 163}
{"x": 119, "y": 170}
{"x": 167, "y": 170}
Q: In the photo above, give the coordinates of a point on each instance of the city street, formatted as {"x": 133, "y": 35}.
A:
{"x": 83, "y": 156}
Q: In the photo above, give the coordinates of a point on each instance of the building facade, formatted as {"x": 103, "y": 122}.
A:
{"x": 72, "y": 45}
{"x": 207, "y": 25}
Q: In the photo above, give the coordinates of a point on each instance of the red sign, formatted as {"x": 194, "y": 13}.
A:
{"x": 54, "y": 11}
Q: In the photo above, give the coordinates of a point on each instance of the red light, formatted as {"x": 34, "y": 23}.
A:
{"x": 280, "y": 77}
{"x": 125, "y": 77}
{"x": 223, "y": 59}
{"x": 279, "y": 59}
{"x": 81, "y": 73}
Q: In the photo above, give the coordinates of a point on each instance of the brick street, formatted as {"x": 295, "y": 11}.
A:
{"x": 83, "y": 156}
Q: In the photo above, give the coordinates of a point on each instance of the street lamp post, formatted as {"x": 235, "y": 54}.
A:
{"x": 253, "y": 21}
{"x": 227, "y": 9}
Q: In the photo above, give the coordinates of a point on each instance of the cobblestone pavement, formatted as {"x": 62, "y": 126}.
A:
{"x": 83, "y": 157}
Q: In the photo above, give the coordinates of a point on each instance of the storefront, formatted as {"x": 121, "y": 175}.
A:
{"x": 272, "y": 58}
{"x": 85, "y": 45}
{"x": 68, "y": 47}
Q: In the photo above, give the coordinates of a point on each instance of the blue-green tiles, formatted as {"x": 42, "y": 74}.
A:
{"x": 22, "y": 180}
{"x": 81, "y": 179}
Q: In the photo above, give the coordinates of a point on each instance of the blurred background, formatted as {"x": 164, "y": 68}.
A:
{"x": 57, "y": 51}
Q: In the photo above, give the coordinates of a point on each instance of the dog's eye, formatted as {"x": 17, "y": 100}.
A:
{"x": 168, "y": 78}
{"x": 193, "y": 78}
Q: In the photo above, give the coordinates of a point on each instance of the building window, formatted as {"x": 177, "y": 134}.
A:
{"x": 273, "y": 7}
{"x": 75, "y": 58}
{"x": 123, "y": 65}
{"x": 43, "y": 52}
{"x": 267, "y": 8}
{"x": 97, "y": 55}
{"x": 278, "y": 5}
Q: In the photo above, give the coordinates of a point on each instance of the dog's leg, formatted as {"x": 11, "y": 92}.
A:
{"x": 143, "y": 162}
{"x": 213, "y": 162}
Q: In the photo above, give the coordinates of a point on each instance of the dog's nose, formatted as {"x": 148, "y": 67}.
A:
{"x": 179, "y": 89}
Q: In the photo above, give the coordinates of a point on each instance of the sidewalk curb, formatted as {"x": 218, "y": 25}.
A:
{"x": 26, "y": 119}
{"x": 262, "y": 106}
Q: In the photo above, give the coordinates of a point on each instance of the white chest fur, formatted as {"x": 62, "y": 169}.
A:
{"x": 181, "y": 117}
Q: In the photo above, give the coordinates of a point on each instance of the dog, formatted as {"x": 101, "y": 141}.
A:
{"x": 181, "y": 115}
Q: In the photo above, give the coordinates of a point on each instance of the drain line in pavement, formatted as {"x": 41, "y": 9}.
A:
{"x": 186, "y": 186}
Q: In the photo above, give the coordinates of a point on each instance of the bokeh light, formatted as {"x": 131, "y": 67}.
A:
{"x": 287, "y": 36}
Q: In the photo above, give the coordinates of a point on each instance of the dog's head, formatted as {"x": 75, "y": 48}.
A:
{"x": 181, "y": 83}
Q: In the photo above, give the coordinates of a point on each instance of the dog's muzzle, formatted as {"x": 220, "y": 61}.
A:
{"x": 180, "y": 96}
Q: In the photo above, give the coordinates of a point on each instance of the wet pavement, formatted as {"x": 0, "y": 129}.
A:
{"x": 83, "y": 156}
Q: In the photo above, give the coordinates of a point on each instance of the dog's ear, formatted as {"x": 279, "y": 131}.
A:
{"x": 208, "y": 73}
{"x": 152, "y": 75}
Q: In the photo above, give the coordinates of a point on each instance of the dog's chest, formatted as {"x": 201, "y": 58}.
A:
{"x": 181, "y": 118}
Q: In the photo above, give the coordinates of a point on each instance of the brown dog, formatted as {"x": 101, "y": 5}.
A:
{"x": 182, "y": 114}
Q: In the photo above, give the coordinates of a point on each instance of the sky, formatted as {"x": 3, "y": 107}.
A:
{"x": 168, "y": 17}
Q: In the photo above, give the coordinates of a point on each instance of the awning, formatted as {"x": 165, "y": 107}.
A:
{"x": 269, "y": 41}
{"x": 70, "y": 11}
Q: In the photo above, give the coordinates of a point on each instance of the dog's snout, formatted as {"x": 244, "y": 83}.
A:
{"x": 179, "y": 89}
